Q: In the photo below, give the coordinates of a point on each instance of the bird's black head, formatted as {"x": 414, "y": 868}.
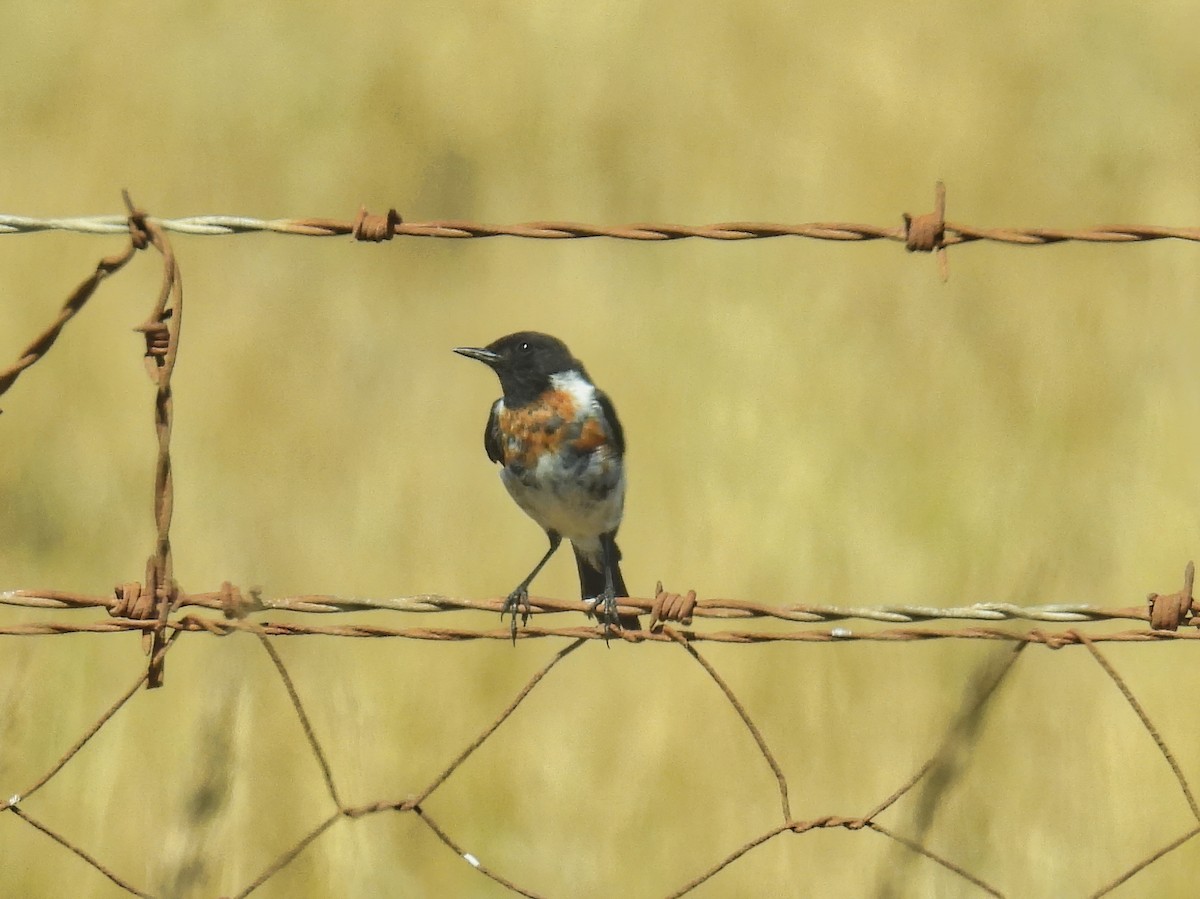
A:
{"x": 524, "y": 362}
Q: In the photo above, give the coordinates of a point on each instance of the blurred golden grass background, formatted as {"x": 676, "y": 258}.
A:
{"x": 807, "y": 422}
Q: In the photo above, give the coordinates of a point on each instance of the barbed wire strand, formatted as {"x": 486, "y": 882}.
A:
{"x": 161, "y": 330}
{"x": 192, "y": 623}
{"x": 726, "y": 609}
{"x": 367, "y": 227}
{"x": 153, "y": 609}
{"x": 703, "y": 608}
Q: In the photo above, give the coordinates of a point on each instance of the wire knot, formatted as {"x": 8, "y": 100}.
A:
{"x": 233, "y": 604}
{"x": 827, "y": 821}
{"x": 133, "y": 602}
{"x": 161, "y": 594}
{"x": 1169, "y": 611}
{"x": 671, "y": 607}
{"x": 139, "y": 234}
{"x": 375, "y": 228}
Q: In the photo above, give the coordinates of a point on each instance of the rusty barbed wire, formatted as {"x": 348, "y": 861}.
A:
{"x": 222, "y": 628}
{"x": 154, "y": 608}
{"x": 234, "y": 605}
{"x": 161, "y": 330}
{"x": 131, "y": 607}
{"x": 919, "y": 233}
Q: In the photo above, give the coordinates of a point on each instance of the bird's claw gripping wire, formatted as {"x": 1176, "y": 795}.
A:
{"x": 517, "y": 601}
{"x": 604, "y": 608}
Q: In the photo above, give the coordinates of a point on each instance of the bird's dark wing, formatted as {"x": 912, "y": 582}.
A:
{"x": 491, "y": 435}
{"x": 610, "y": 414}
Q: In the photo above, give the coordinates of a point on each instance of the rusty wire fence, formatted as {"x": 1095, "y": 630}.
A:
{"x": 163, "y": 613}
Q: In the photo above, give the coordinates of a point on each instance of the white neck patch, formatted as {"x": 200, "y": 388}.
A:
{"x": 572, "y": 383}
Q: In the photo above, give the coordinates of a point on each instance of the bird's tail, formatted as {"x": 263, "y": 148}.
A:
{"x": 592, "y": 583}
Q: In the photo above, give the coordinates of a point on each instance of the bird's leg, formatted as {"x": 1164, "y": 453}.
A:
{"x": 519, "y": 598}
{"x": 608, "y": 599}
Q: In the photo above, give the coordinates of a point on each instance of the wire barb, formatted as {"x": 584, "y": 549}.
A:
{"x": 927, "y": 233}
{"x": 671, "y": 607}
{"x": 1168, "y": 612}
{"x": 374, "y": 228}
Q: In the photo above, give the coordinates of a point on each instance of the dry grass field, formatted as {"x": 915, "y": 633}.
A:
{"x": 807, "y": 422}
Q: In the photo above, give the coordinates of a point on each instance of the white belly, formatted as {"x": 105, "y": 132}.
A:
{"x": 580, "y": 502}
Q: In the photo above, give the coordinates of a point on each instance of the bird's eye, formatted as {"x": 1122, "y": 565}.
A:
{"x": 524, "y": 348}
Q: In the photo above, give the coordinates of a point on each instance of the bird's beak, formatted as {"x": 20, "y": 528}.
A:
{"x": 487, "y": 357}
